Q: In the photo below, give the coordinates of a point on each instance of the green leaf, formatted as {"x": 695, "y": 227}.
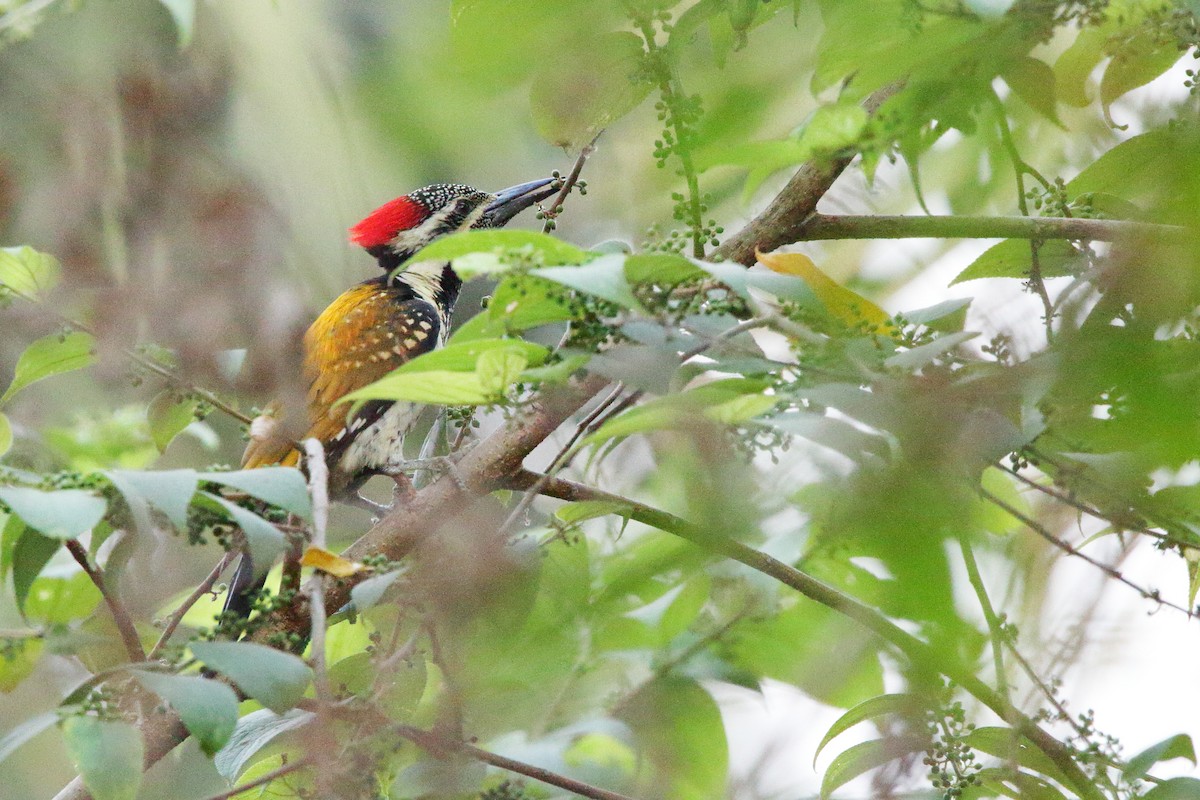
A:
{"x": 11, "y": 528}
{"x": 107, "y": 754}
{"x": 499, "y": 369}
{"x": 1008, "y": 745}
{"x": 30, "y": 555}
{"x": 515, "y": 308}
{"x": 1139, "y": 60}
{"x": 726, "y": 401}
{"x": 50, "y": 355}
{"x": 1133, "y": 168}
{"x": 28, "y": 271}
{"x": 451, "y": 375}
{"x": 1074, "y": 67}
{"x": 603, "y": 277}
{"x": 1174, "y": 789}
{"x": 170, "y": 491}
{"x": 61, "y": 514}
{"x": 866, "y": 756}
{"x": 558, "y": 372}
{"x": 6, "y": 434}
{"x": 58, "y": 600}
{"x": 272, "y": 677}
{"x": 660, "y": 269}
{"x": 682, "y": 738}
{"x": 1177, "y": 746}
{"x": 906, "y": 705}
{"x": 183, "y": 12}
{"x": 18, "y": 661}
{"x": 367, "y": 593}
{"x": 551, "y": 251}
{"x": 283, "y": 487}
{"x": 253, "y": 733}
{"x": 208, "y": 708}
{"x": 572, "y": 513}
{"x": 265, "y": 541}
{"x": 168, "y": 416}
{"x": 921, "y": 355}
{"x": 1029, "y": 787}
{"x": 1033, "y": 81}
{"x": 25, "y": 732}
{"x": 1012, "y": 259}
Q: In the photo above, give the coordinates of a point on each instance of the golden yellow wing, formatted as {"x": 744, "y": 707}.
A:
{"x": 364, "y": 334}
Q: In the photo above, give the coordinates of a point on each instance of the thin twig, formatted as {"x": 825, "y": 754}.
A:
{"x": 1071, "y": 550}
{"x": 572, "y": 178}
{"x": 995, "y": 627}
{"x": 318, "y": 487}
{"x": 821, "y": 227}
{"x": 177, "y": 616}
{"x": 129, "y": 636}
{"x": 438, "y": 745}
{"x": 263, "y": 780}
{"x": 133, "y": 355}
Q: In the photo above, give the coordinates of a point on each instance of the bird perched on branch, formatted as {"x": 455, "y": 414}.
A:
{"x": 372, "y": 329}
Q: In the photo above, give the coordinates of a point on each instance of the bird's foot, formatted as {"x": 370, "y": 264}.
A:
{"x": 444, "y": 465}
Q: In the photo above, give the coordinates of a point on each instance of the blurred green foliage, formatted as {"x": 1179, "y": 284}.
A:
{"x": 173, "y": 179}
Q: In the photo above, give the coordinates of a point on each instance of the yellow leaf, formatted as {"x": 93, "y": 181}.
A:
{"x": 848, "y": 306}
{"x": 330, "y": 563}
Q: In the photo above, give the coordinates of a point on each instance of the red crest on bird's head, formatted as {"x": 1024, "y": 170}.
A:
{"x": 381, "y": 225}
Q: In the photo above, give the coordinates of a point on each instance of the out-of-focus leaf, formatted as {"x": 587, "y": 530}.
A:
{"x": 30, "y": 554}
{"x": 272, "y": 677}
{"x": 168, "y": 416}
{"x": 1177, "y": 746}
{"x": 1174, "y": 789}
{"x": 727, "y": 401}
{"x": 24, "y": 732}
{"x": 905, "y": 705}
{"x": 170, "y": 491}
{"x": 17, "y": 661}
{"x": 366, "y": 594}
{"x": 499, "y": 369}
{"x": 50, "y": 355}
{"x": 58, "y": 600}
{"x": 183, "y": 12}
{"x": 108, "y": 755}
{"x": 558, "y": 372}
{"x": 1029, "y": 787}
{"x": 284, "y": 487}
{"x": 572, "y": 513}
{"x": 27, "y": 271}
{"x": 330, "y": 563}
{"x": 1074, "y": 66}
{"x": 813, "y": 648}
{"x": 679, "y": 730}
{"x": 359, "y": 673}
{"x": 742, "y": 280}
{"x": 573, "y": 100}
{"x": 1140, "y": 60}
{"x": 922, "y": 355}
{"x": 6, "y": 434}
{"x": 1033, "y": 81}
{"x": 603, "y": 277}
{"x": 265, "y": 541}
{"x": 849, "y": 306}
{"x": 549, "y": 250}
{"x": 948, "y": 316}
{"x": 61, "y": 514}
{"x": 1132, "y": 168}
{"x": 208, "y": 708}
{"x": 866, "y": 756}
{"x": 1008, "y": 745}
{"x": 1012, "y": 258}
{"x": 253, "y": 733}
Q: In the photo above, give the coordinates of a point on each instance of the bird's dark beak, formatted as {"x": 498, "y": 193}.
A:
{"x": 515, "y": 199}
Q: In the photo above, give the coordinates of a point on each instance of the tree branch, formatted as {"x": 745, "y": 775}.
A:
{"x": 787, "y": 213}
{"x": 823, "y": 226}
{"x": 917, "y": 651}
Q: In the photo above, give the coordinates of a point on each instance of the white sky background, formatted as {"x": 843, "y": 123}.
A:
{"x": 1139, "y": 664}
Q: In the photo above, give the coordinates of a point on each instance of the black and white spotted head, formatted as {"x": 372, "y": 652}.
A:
{"x": 395, "y": 231}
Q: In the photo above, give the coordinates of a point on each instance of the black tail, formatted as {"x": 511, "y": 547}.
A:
{"x": 243, "y": 588}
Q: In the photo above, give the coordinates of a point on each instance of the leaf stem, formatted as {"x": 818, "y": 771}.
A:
{"x": 995, "y": 626}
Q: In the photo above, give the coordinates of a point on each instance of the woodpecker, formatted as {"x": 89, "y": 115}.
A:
{"x": 372, "y": 329}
